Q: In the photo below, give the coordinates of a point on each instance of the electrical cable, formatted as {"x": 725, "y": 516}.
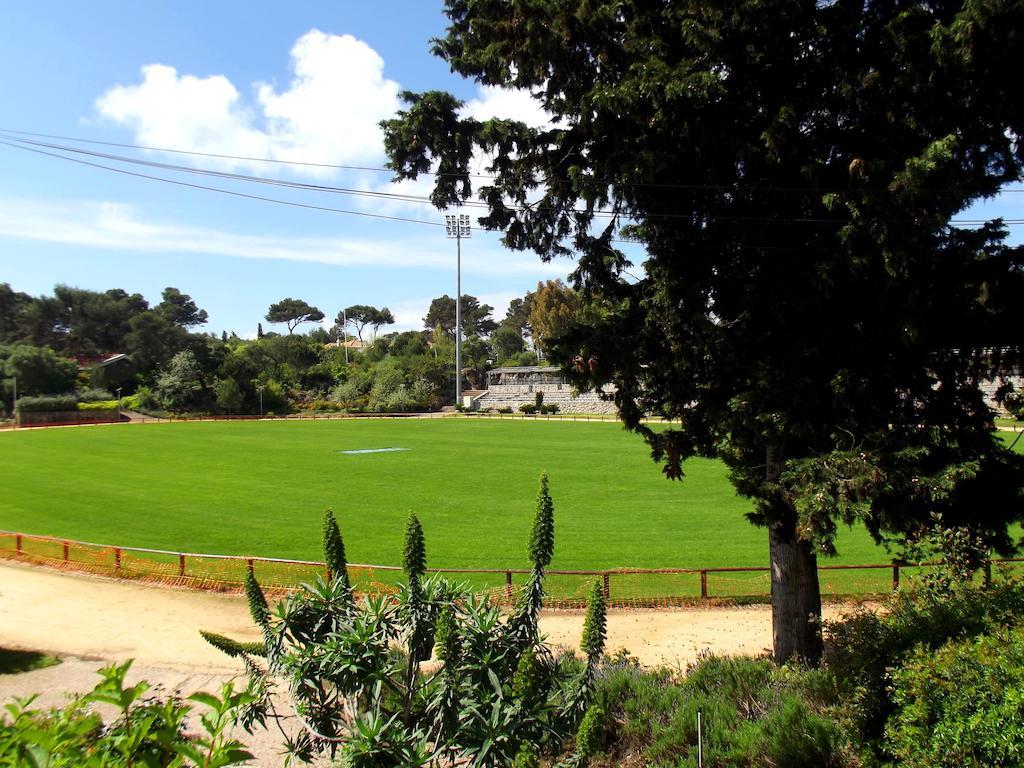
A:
{"x": 378, "y": 169}
{"x": 414, "y": 199}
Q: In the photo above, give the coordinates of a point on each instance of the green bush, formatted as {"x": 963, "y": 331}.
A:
{"x": 505, "y": 409}
{"x": 93, "y": 395}
{"x": 552, "y": 408}
{"x": 865, "y": 647}
{"x": 754, "y": 713}
{"x": 143, "y": 731}
{"x": 528, "y": 408}
{"x": 99, "y": 405}
{"x": 43, "y": 403}
{"x": 962, "y": 705}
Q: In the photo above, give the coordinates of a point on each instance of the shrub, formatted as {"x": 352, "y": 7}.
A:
{"x": 504, "y": 409}
{"x": 552, "y": 408}
{"x": 528, "y": 408}
{"x": 496, "y": 696}
{"x": 98, "y": 405}
{"x": 962, "y": 705}
{"x": 144, "y": 731}
{"x": 42, "y": 403}
{"x": 146, "y": 399}
{"x": 93, "y": 395}
{"x": 864, "y": 648}
{"x": 754, "y": 713}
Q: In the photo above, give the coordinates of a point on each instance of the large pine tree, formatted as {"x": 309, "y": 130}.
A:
{"x": 809, "y": 306}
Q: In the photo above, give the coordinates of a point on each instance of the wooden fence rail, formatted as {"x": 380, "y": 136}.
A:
{"x": 623, "y": 587}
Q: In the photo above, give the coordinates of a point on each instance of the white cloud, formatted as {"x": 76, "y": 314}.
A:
{"x": 118, "y": 226}
{"x": 328, "y": 113}
{"x": 509, "y": 104}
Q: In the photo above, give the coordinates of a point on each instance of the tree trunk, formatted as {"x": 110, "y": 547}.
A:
{"x": 796, "y": 595}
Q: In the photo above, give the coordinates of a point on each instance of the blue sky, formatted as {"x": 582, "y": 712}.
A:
{"x": 304, "y": 81}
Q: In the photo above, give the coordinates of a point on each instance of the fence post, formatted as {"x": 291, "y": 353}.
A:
{"x": 66, "y": 548}
{"x": 117, "y": 557}
{"x": 988, "y": 574}
{"x": 508, "y": 584}
{"x": 249, "y": 563}
{"x": 895, "y": 577}
{"x": 703, "y": 584}
{"x": 181, "y": 565}
{"x": 606, "y": 579}
{"x": 17, "y": 543}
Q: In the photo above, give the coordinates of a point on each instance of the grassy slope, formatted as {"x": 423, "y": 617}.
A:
{"x": 260, "y": 488}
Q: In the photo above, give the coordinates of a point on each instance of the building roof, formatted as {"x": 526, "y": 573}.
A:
{"x": 88, "y": 362}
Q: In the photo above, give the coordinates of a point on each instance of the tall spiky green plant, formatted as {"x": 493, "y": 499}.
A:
{"x": 522, "y": 625}
{"x": 595, "y": 626}
{"x": 334, "y": 553}
{"x": 414, "y": 562}
{"x": 542, "y": 536}
{"x": 414, "y": 556}
{"x": 595, "y": 631}
{"x": 258, "y": 608}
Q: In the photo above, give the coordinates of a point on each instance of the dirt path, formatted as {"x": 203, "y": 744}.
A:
{"x": 95, "y": 620}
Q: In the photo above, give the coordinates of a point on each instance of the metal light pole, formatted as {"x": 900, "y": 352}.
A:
{"x": 344, "y": 332}
{"x": 119, "y": 402}
{"x": 457, "y": 227}
{"x": 15, "y": 404}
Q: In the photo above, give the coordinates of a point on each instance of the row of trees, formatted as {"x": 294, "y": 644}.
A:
{"x": 177, "y": 368}
{"x": 293, "y": 312}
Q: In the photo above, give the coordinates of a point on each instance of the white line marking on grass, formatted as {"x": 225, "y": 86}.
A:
{"x": 373, "y": 450}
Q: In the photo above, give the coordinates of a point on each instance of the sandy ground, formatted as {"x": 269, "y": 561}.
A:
{"x": 90, "y": 621}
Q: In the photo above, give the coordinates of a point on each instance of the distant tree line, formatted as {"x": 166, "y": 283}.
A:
{"x": 52, "y": 345}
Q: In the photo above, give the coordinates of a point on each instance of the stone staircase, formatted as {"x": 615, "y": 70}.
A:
{"x": 561, "y": 395}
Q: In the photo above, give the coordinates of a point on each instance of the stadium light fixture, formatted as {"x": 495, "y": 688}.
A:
{"x": 456, "y": 226}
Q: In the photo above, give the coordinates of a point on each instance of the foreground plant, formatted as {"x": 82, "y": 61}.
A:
{"x": 363, "y": 685}
{"x": 145, "y": 731}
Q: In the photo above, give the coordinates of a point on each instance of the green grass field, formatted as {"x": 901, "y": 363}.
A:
{"x": 259, "y": 488}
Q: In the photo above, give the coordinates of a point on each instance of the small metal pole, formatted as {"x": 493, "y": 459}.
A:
{"x": 117, "y": 557}
{"x": 606, "y": 578}
{"x": 700, "y": 741}
{"x": 703, "y": 585}
{"x": 17, "y": 543}
{"x": 895, "y": 577}
{"x": 66, "y": 548}
{"x": 508, "y": 584}
{"x": 181, "y": 565}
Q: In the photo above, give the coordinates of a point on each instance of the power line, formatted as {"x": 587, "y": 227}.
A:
{"x": 226, "y": 191}
{"x": 378, "y": 169}
{"x": 26, "y": 144}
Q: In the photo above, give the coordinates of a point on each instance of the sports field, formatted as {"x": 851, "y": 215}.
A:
{"x": 260, "y": 488}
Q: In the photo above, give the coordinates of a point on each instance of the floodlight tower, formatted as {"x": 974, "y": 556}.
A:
{"x": 456, "y": 227}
